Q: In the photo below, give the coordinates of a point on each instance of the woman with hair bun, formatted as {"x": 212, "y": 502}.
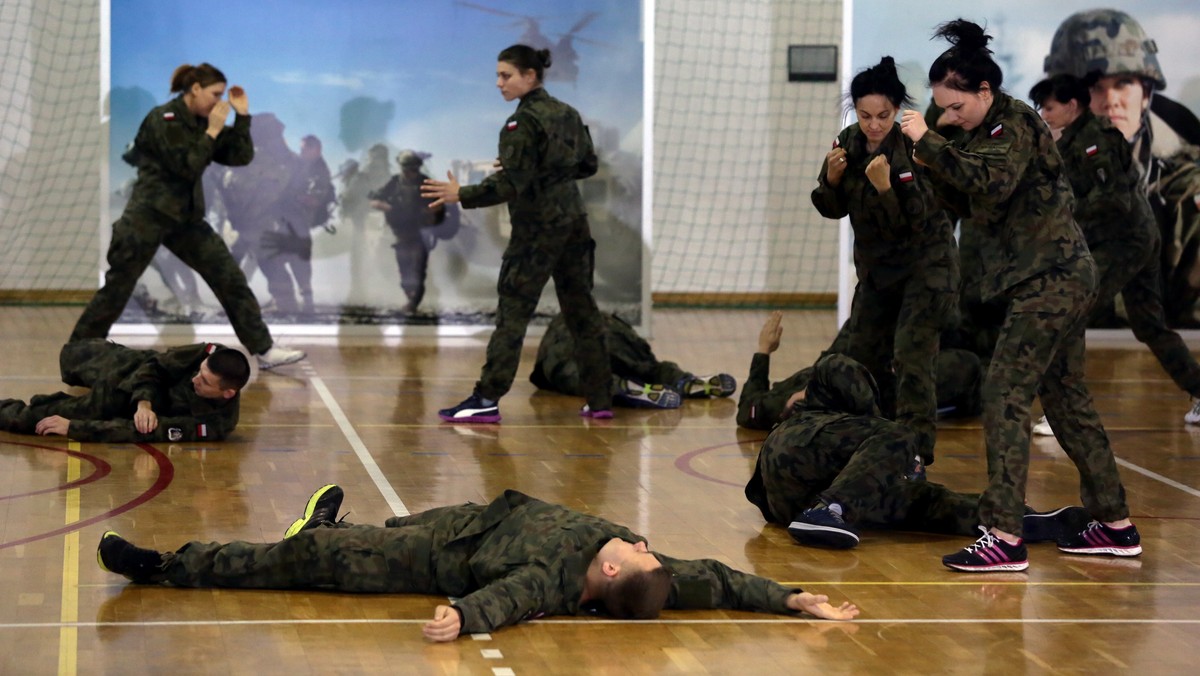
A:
{"x": 1007, "y": 174}
{"x": 904, "y": 252}
{"x": 544, "y": 149}
{"x": 174, "y": 145}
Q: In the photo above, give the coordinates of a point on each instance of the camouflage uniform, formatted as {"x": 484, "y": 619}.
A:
{"x": 120, "y": 377}
{"x": 904, "y": 253}
{"x": 515, "y": 559}
{"x": 630, "y": 356}
{"x": 1123, "y": 237}
{"x": 171, "y": 151}
{"x": 408, "y": 215}
{"x": 837, "y": 449}
{"x": 544, "y": 149}
{"x": 1034, "y": 258}
{"x": 1108, "y": 42}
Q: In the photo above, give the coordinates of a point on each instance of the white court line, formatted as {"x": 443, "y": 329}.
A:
{"x": 1158, "y": 477}
{"x": 360, "y": 449}
{"x": 589, "y": 621}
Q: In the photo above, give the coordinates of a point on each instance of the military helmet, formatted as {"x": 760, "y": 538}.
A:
{"x": 1104, "y": 41}
{"x": 408, "y": 158}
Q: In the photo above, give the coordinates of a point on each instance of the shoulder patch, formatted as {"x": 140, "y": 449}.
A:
{"x": 997, "y": 131}
{"x": 202, "y": 430}
{"x": 512, "y": 124}
{"x": 168, "y": 115}
{"x": 1091, "y": 150}
{"x": 836, "y": 143}
{"x": 210, "y": 348}
{"x": 905, "y": 176}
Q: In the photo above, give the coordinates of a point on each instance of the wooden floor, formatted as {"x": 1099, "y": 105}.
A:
{"x": 362, "y": 414}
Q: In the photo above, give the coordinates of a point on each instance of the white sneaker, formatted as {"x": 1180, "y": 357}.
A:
{"x": 279, "y": 356}
{"x": 1042, "y": 427}
{"x": 1192, "y": 417}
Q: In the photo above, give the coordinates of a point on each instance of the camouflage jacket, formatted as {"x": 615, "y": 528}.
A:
{"x": 171, "y": 151}
{"x": 899, "y": 233}
{"x": 409, "y": 211}
{"x": 1109, "y": 203}
{"x": 544, "y": 149}
{"x": 165, "y": 380}
{"x": 519, "y": 558}
{"x": 1008, "y": 177}
{"x": 761, "y": 405}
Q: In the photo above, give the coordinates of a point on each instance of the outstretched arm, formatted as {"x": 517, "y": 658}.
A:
{"x": 819, "y": 606}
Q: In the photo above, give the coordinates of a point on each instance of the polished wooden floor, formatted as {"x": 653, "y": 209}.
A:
{"x": 362, "y": 414}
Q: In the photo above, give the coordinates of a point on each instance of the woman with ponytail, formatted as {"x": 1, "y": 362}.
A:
{"x": 174, "y": 145}
{"x": 1006, "y": 173}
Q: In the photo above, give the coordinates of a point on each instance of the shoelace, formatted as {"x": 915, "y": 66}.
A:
{"x": 988, "y": 540}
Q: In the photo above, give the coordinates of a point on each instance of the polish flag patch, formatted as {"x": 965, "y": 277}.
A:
{"x": 836, "y": 143}
{"x": 210, "y": 348}
{"x": 202, "y": 431}
{"x": 1091, "y": 150}
{"x": 997, "y": 131}
{"x": 906, "y": 176}
{"x": 168, "y": 116}
{"x": 1196, "y": 200}
{"x": 512, "y": 124}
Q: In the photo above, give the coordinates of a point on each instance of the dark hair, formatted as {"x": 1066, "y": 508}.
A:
{"x": 231, "y": 367}
{"x": 968, "y": 63}
{"x": 525, "y": 57}
{"x": 638, "y": 595}
{"x": 187, "y": 75}
{"x": 1063, "y": 88}
{"x": 881, "y": 79}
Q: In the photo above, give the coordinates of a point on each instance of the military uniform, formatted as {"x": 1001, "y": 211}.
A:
{"x": 409, "y": 213}
{"x": 1124, "y": 240}
{"x": 544, "y": 149}
{"x": 630, "y": 356}
{"x": 171, "y": 151}
{"x": 1009, "y": 175}
{"x": 904, "y": 253}
{"x": 120, "y": 377}
{"x": 515, "y": 559}
{"x": 285, "y": 251}
{"x": 837, "y": 449}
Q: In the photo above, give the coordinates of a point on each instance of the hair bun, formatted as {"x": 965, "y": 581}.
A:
{"x": 543, "y": 55}
{"x": 965, "y": 36}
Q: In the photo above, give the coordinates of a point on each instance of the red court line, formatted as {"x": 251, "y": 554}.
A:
{"x": 100, "y": 470}
{"x": 684, "y": 463}
{"x": 166, "y": 473}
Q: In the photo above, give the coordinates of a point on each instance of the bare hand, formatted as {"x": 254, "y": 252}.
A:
{"x": 772, "y": 330}
{"x": 835, "y": 165}
{"x": 216, "y": 118}
{"x": 819, "y": 606}
{"x": 444, "y": 626}
{"x": 55, "y": 424}
{"x": 442, "y": 192}
{"x": 879, "y": 172}
{"x": 497, "y": 164}
{"x": 795, "y": 399}
{"x": 913, "y": 125}
{"x": 237, "y": 99}
{"x": 145, "y": 419}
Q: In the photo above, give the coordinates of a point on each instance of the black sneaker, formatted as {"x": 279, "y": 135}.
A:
{"x": 819, "y": 526}
{"x": 322, "y": 508}
{"x": 472, "y": 410}
{"x": 118, "y": 555}
{"x": 1097, "y": 538}
{"x": 989, "y": 554}
{"x": 1054, "y": 526}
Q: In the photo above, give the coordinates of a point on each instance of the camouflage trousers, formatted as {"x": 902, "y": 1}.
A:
{"x": 101, "y": 403}
{"x": 860, "y": 463}
{"x": 84, "y": 363}
{"x": 1136, "y": 274}
{"x": 569, "y": 258}
{"x": 895, "y": 333}
{"x": 1040, "y": 352}
{"x": 361, "y": 558}
{"x": 136, "y": 237}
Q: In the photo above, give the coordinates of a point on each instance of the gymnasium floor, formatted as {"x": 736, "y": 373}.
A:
{"x": 362, "y": 414}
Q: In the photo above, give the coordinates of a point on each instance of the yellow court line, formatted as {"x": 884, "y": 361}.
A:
{"x": 68, "y": 636}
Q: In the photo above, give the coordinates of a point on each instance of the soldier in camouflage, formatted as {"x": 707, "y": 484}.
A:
{"x": 189, "y": 393}
{"x": 904, "y": 252}
{"x": 544, "y": 149}
{"x": 1117, "y": 222}
{"x": 1112, "y": 51}
{"x": 506, "y": 562}
{"x": 640, "y": 380}
{"x": 175, "y": 143}
{"x": 408, "y": 214}
{"x": 763, "y": 405}
{"x": 1008, "y": 172}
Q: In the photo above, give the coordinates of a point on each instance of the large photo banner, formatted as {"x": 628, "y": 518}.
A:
{"x": 1151, "y": 46}
{"x": 352, "y": 103}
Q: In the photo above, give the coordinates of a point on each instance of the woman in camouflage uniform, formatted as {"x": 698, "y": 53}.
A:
{"x": 1006, "y": 172}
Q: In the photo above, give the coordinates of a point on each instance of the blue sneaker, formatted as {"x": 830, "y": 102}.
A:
{"x": 472, "y": 410}
{"x": 637, "y": 395}
{"x": 821, "y": 527}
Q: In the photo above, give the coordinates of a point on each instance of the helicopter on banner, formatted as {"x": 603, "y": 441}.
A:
{"x": 566, "y": 59}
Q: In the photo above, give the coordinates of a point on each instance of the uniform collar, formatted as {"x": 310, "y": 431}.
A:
{"x": 574, "y": 574}
{"x": 178, "y": 106}
{"x": 1071, "y": 130}
{"x": 886, "y": 146}
{"x": 538, "y": 94}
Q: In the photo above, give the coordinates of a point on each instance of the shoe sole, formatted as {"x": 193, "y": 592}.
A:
{"x": 271, "y": 365}
{"x": 470, "y": 418}
{"x": 724, "y": 386}
{"x": 309, "y": 509}
{"x": 1100, "y": 551}
{"x": 638, "y": 401}
{"x": 824, "y": 536}
{"x": 1012, "y": 566}
{"x": 597, "y": 415}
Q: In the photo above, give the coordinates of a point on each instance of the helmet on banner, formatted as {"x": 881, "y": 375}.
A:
{"x": 409, "y": 158}
{"x": 1106, "y": 42}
